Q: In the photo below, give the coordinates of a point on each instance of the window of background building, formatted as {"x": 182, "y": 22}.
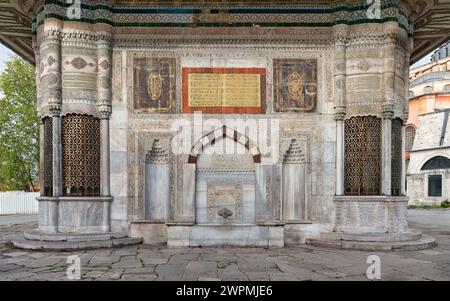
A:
{"x": 428, "y": 90}
{"x": 435, "y": 185}
{"x": 437, "y": 162}
{"x": 447, "y": 89}
{"x": 410, "y": 133}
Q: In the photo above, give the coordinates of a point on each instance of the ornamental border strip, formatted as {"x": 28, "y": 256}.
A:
{"x": 177, "y": 16}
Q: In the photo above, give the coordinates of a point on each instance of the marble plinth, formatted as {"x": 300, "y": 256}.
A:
{"x": 371, "y": 214}
{"x": 74, "y": 214}
{"x": 152, "y": 233}
{"x": 219, "y": 235}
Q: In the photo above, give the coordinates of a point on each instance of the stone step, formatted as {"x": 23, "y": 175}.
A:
{"x": 425, "y": 242}
{"x": 372, "y": 237}
{"x": 24, "y": 243}
{"x": 41, "y": 236}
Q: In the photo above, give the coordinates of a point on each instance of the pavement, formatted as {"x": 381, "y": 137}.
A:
{"x": 290, "y": 263}
{"x": 18, "y": 219}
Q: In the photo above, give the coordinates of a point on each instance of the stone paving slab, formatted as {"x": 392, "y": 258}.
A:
{"x": 305, "y": 262}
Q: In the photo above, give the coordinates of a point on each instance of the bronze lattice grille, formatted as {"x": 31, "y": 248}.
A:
{"x": 362, "y": 156}
{"x": 81, "y": 155}
{"x": 48, "y": 157}
{"x": 396, "y": 157}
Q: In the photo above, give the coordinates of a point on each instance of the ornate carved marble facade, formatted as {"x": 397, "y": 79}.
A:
{"x": 329, "y": 84}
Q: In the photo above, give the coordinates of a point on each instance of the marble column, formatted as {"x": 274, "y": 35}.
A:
{"x": 340, "y": 33}
{"x": 104, "y": 96}
{"x": 386, "y": 151}
{"x": 41, "y": 156}
{"x": 50, "y": 54}
{"x": 387, "y": 108}
{"x": 408, "y": 50}
{"x": 403, "y": 180}
{"x": 340, "y": 149}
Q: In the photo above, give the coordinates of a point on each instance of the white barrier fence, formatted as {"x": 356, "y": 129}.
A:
{"x": 18, "y": 202}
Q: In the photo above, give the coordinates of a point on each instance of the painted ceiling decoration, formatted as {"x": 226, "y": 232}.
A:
{"x": 429, "y": 22}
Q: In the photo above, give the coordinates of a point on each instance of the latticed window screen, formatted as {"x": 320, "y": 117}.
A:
{"x": 410, "y": 134}
{"x": 81, "y": 155}
{"x": 362, "y": 156}
{"x": 48, "y": 157}
{"x": 396, "y": 157}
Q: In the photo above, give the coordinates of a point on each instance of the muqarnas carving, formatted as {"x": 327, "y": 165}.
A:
{"x": 154, "y": 84}
{"x": 295, "y": 85}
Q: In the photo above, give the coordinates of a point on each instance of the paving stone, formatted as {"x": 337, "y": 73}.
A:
{"x": 8, "y": 267}
{"x": 153, "y": 261}
{"x": 103, "y": 260}
{"x": 256, "y": 264}
{"x": 93, "y": 274}
{"x": 128, "y": 263}
{"x": 257, "y": 276}
{"x": 41, "y": 262}
{"x": 183, "y": 258}
{"x": 16, "y": 254}
{"x": 111, "y": 275}
{"x": 199, "y": 269}
{"x": 138, "y": 277}
{"x": 172, "y": 272}
{"x": 146, "y": 270}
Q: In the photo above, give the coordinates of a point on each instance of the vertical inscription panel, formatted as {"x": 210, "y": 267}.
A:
{"x": 295, "y": 85}
{"x": 154, "y": 85}
{"x": 224, "y": 90}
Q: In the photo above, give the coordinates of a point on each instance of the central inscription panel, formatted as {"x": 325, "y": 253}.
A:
{"x": 224, "y": 90}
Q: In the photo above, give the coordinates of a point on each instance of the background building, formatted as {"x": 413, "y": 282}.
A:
{"x": 427, "y": 130}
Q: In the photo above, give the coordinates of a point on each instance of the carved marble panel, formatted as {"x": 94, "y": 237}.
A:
{"x": 154, "y": 84}
{"x": 224, "y": 200}
{"x": 295, "y": 85}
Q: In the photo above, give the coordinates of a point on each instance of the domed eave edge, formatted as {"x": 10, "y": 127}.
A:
{"x": 430, "y": 27}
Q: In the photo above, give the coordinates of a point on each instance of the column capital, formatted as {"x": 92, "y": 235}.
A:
{"x": 340, "y": 35}
{"x": 54, "y": 108}
{"x": 387, "y": 110}
{"x": 104, "y": 110}
{"x": 339, "y": 113}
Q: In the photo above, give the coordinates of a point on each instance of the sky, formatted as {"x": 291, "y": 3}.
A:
{"x": 423, "y": 61}
{"x": 5, "y": 53}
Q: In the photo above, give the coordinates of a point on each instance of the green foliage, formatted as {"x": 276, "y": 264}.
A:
{"x": 19, "y": 130}
{"x": 445, "y": 204}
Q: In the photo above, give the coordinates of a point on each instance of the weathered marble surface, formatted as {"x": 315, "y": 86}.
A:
{"x": 371, "y": 214}
{"x": 294, "y": 195}
{"x": 74, "y": 215}
{"x": 262, "y": 236}
{"x": 151, "y": 233}
{"x": 156, "y": 191}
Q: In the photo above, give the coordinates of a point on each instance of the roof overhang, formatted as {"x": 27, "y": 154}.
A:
{"x": 431, "y": 21}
